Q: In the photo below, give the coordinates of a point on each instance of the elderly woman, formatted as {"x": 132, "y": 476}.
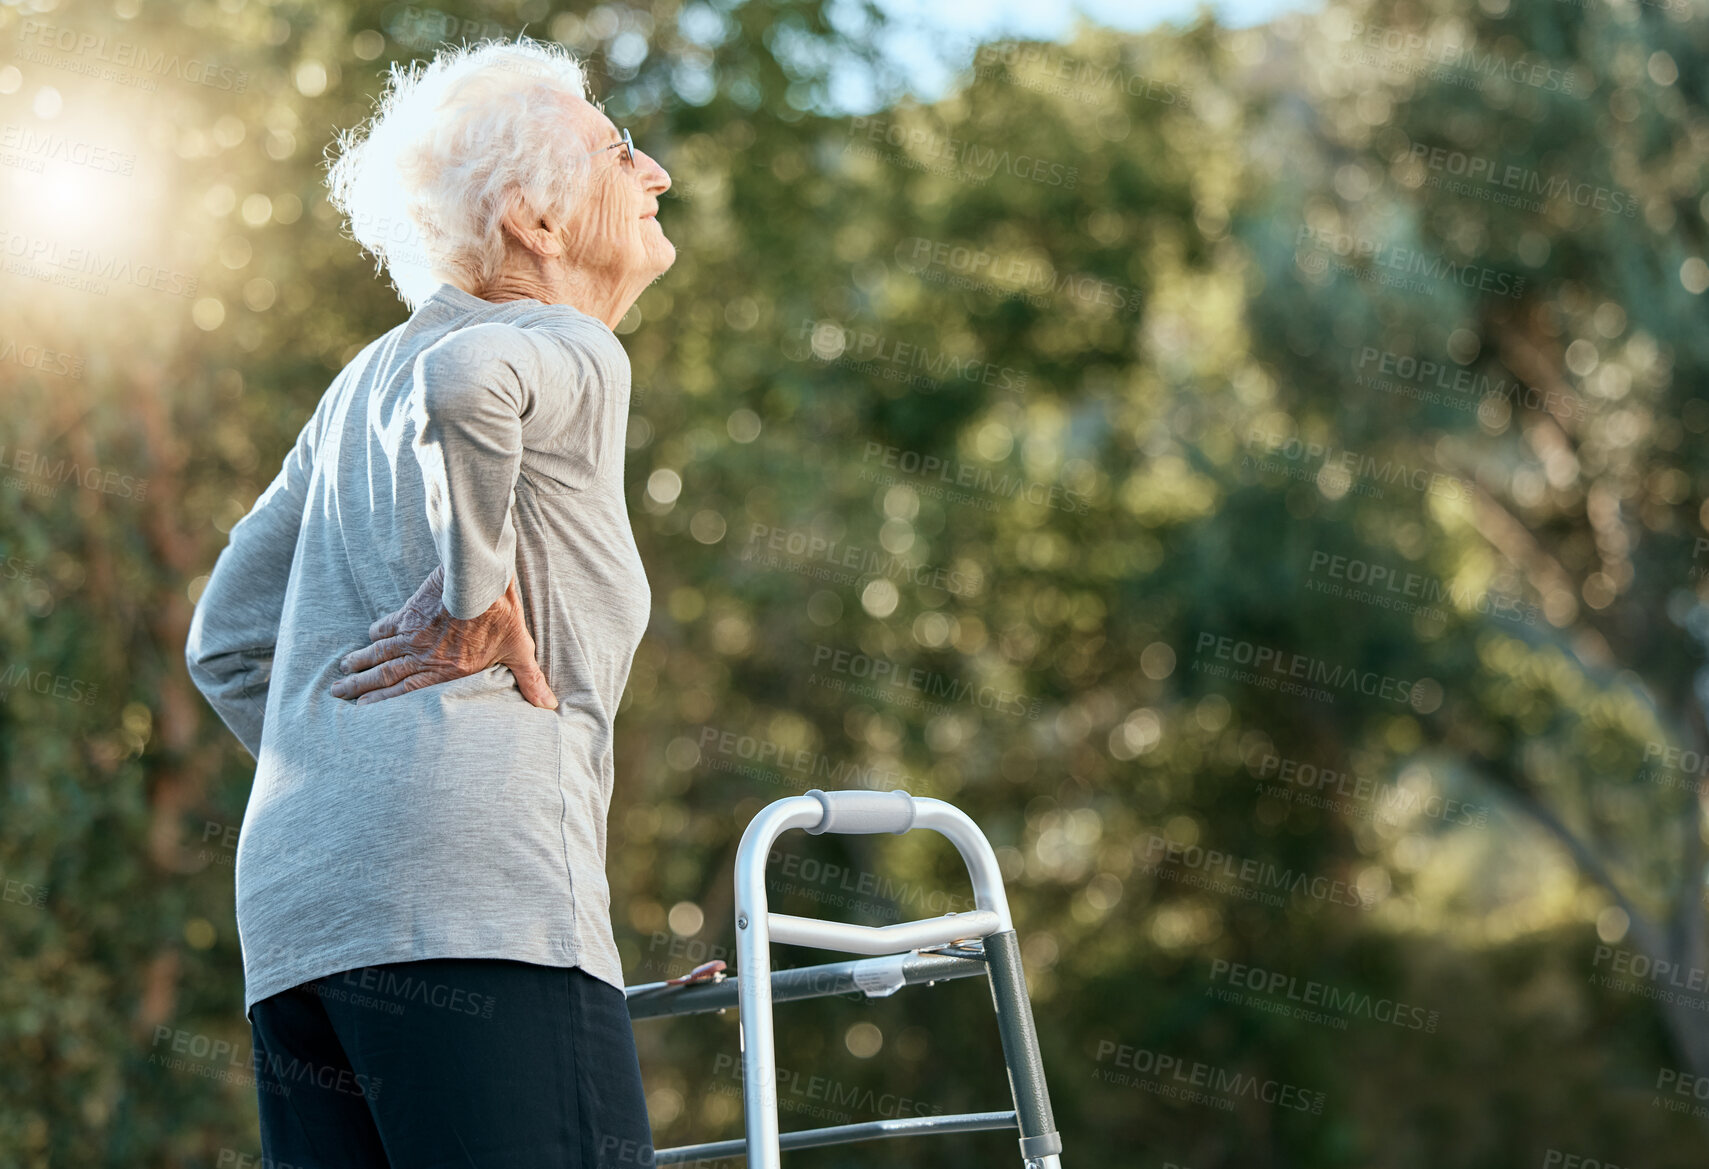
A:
{"x": 421, "y": 632}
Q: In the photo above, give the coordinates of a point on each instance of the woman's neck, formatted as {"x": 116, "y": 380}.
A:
{"x": 604, "y": 296}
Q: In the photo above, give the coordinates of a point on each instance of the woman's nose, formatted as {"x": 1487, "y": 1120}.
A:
{"x": 653, "y": 177}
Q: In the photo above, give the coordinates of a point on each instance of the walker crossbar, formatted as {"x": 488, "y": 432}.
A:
{"x": 845, "y": 1134}
{"x": 874, "y": 977}
{"x": 881, "y": 939}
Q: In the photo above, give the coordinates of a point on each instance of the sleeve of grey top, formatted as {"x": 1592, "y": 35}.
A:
{"x": 235, "y": 625}
{"x": 483, "y": 394}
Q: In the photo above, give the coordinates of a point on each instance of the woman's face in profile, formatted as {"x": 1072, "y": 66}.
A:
{"x": 617, "y": 231}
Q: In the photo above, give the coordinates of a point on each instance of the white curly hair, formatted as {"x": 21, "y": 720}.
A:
{"x": 422, "y": 183}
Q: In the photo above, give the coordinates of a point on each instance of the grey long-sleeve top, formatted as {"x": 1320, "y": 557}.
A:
{"x": 459, "y": 820}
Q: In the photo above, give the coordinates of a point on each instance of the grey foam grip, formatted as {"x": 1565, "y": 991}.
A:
{"x": 864, "y": 811}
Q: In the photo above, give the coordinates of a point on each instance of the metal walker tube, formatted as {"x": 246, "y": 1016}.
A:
{"x": 857, "y": 812}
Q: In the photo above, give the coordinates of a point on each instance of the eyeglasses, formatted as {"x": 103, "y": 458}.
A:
{"x": 627, "y": 143}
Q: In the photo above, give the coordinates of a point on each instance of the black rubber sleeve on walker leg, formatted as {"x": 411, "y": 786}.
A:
{"x": 1037, "y": 1125}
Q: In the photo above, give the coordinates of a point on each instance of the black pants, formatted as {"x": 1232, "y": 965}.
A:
{"x": 450, "y": 1064}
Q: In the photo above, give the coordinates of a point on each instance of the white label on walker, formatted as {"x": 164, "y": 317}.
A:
{"x": 880, "y": 977}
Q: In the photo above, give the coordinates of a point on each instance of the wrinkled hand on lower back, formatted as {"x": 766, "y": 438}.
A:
{"x": 421, "y": 645}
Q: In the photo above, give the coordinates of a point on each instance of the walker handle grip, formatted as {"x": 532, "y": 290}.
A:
{"x": 863, "y": 812}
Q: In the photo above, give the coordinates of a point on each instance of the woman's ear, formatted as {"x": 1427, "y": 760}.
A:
{"x": 533, "y": 231}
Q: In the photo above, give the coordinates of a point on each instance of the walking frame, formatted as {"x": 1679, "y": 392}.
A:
{"x": 927, "y": 951}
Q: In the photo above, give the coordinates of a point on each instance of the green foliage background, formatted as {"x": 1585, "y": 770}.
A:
{"x": 1200, "y": 262}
